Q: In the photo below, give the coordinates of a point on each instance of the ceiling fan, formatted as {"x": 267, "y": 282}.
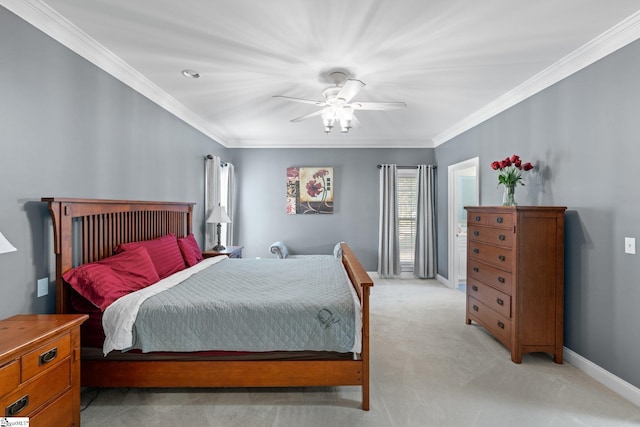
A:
{"x": 337, "y": 108}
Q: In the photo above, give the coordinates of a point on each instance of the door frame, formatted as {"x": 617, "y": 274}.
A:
{"x": 452, "y": 194}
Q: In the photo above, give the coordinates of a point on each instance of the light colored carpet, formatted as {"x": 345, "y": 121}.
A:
{"x": 428, "y": 369}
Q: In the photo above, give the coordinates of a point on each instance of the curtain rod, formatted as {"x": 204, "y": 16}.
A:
{"x": 409, "y": 167}
{"x": 210, "y": 157}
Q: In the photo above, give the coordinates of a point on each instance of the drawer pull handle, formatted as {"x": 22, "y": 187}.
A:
{"x": 476, "y": 269}
{"x": 475, "y": 308}
{"x": 501, "y": 279}
{"x": 17, "y": 406}
{"x": 478, "y": 218}
{"x": 48, "y": 356}
{"x": 476, "y": 250}
{"x": 499, "y": 301}
{"x": 502, "y": 237}
{"x": 500, "y": 325}
{"x": 502, "y": 257}
{"x": 499, "y": 220}
{"x": 475, "y": 288}
{"x": 476, "y": 233}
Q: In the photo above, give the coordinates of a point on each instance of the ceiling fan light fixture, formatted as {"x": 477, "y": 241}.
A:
{"x": 346, "y": 117}
{"x": 337, "y": 105}
{"x": 328, "y": 118}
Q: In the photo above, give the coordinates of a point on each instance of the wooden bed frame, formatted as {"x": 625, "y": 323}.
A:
{"x": 87, "y": 230}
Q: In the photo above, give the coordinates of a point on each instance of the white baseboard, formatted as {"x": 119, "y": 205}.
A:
{"x": 620, "y": 386}
{"x": 442, "y": 280}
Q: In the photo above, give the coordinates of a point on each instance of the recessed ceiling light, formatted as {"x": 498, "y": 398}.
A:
{"x": 190, "y": 74}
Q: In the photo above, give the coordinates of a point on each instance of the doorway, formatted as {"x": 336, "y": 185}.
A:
{"x": 464, "y": 190}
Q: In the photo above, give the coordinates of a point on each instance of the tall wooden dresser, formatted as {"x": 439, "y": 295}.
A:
{"x": 40, "y": 368}
{"x": 515, "y": 276}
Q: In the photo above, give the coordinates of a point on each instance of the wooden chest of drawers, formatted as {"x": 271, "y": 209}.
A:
{"x": 40, "y": 369}
{"x": 515, "y": 276}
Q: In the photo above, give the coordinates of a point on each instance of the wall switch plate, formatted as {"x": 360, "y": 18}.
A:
{"x": 630, "y": 245}
{"x": 43, "y": 287}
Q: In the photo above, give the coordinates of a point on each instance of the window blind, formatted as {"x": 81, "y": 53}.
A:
{"x": 407, "y": 207}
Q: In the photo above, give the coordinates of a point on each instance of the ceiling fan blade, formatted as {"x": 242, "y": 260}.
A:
{"x": 379, "y": 106}
{"x": 302, "y": 100}
{"x": 350, "y": 89}
{"x": 306, "y": 116}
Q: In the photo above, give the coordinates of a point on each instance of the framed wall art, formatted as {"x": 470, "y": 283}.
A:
{"x": 310, "y": 190}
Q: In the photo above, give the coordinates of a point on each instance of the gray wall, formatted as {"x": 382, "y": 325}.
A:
{"x": 68, "y": 129}
{"x": 261, "y": 214}
{"x": 583, "y": 135}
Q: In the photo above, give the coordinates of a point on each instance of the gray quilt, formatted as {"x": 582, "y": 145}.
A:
{"x": 253, "y": 305}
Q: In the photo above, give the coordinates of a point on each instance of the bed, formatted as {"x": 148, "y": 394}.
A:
{"x": 87, "y": 231}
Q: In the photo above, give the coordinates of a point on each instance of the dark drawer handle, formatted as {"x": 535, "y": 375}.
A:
{"x": 500, "y": 325}
{"x": 476, "y": 233}
{"x": 476, "y": 269}
{"x": 476, "y": 250}
{"x": 502, "y": 237}
{"x": 502, "y": 257}
{"x": 17, "y": 406}
{"x": 501, "y": 279}
{"x": 499, "y": 301}
{"x": 48, "y": 356}
{"x": 475, "y": 288}
{"x": 499, "y": 220}
{"x": 477, "y": 218}
{"x": 475, "y": 308}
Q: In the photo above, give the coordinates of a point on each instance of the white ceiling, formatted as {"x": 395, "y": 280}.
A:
{"x": 454, "y": 62}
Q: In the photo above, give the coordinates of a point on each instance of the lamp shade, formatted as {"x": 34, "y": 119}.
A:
{"x": 218, "y": 215}
{"x": 5, "y": 246}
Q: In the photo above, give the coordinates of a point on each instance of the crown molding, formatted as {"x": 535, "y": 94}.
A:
{"x": 344, "y": 141}
{"x": 62, "y": 30}
{"x": 608, "y": 42}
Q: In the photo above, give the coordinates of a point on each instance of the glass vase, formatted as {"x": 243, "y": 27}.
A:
{"x": 509, "y": 196}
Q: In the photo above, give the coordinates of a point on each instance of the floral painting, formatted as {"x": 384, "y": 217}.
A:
{"x": 309, "y": 190}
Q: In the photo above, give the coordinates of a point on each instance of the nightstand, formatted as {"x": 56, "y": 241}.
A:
{"x": 40, "y": 368}
{"x": 230, "y": 251}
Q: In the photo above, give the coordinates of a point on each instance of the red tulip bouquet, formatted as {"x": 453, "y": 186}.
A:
{"x": 510, "y": 175}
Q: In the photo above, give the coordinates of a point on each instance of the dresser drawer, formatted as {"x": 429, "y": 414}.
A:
{"x": 494, "y": 255}
{"x": 56, "y": 414}
{"x": 494, "y": 299}
{"x": 45, "y": 356}
{"x": 9, "y": 377}
{"x": 31, "y": 395}
{"x": 492, "y": 276}
{"x": 495, "y": 236}
{"x": 499, "y": 326}
{"x": 477, "y": 218}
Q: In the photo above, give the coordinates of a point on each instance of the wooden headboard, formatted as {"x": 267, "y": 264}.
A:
{"x": 87, "y": 230}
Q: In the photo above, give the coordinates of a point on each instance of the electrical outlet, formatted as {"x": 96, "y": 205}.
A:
{"x": 43, "y": 287}
{"x": 630, "y": 245}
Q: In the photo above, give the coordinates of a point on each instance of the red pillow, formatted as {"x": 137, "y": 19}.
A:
{"x": 164, "y": 252}
{"x": 190, "y": 250}
{"x": 105, "y": 281}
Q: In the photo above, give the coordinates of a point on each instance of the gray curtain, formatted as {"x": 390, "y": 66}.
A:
{"x": 425, "y": 256}
{"x": 211, "y": 198}
{"x": 389, "y": 248}
{"x": 229, "y": 205}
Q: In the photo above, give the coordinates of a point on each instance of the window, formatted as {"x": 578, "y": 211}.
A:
{"x": 407, "y": 207}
